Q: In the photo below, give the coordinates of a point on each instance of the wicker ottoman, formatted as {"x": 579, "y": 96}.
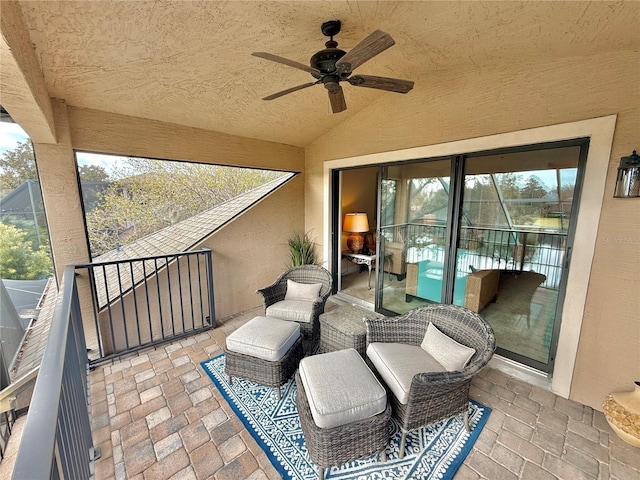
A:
{"x": 264, "y": 350}
{"x": 343, "y": 409}
{"x": 344, "y": 327}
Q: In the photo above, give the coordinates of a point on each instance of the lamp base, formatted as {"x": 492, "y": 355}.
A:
{"x": 355, "y": 242}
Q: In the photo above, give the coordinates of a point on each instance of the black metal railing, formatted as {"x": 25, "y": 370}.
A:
{"x": 131, "y": 304}
{"x": 486, "y": 248}
{"x": 56, "y": 440}
{"x": 137, "y": 303}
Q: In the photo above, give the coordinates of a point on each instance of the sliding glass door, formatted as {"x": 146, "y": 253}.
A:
{"x": 488, "y": 231}
{"x": 414, "y": 218}
{"x": 517, "y": 210}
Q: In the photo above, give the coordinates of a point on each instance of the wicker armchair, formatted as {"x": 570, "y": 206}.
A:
{"x": 435, "y": 396}
{"x": 304, "y": 274}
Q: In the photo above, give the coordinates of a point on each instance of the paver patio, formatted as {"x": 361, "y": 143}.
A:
{"x": 156, "y": 415}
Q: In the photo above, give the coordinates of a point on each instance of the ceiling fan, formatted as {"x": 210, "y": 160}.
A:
{"x": 332, "y": 65}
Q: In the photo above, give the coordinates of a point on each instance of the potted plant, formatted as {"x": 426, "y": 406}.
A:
{"x": 302, "y": 250}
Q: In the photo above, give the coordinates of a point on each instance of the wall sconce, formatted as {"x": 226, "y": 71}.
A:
{"x": 355, "y": 223}
{"x": 628, "y": 181}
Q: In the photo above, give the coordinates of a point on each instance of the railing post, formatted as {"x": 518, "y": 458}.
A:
{"x": 209, "y": 263}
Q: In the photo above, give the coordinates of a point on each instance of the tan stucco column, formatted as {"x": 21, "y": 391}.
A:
{"x": 61, "y": 195}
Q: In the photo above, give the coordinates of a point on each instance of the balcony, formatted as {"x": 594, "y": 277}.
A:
{"x": 153, "y": 413}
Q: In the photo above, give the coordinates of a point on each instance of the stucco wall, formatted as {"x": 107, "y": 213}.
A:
{"x": 250, "y": 252}
{"x": 60, "y": 193}
{"x": 450, "y": 106}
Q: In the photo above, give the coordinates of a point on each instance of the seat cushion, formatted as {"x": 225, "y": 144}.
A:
{"x": 397, "y": 363}
{"x": 340, "y": 388}
{"x": 449, "y": 353}
{"x": 302, "y": 291}
{"x": 265, "y": 338}
{"x": 293, "y": 310}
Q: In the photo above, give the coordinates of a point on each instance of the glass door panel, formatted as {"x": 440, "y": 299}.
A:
{"x": 414, "y": 213}
{"x": 514, "y": 225}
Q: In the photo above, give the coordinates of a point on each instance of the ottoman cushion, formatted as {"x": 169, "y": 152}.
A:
{"x": 294, "y": 310}
{"x": 397, "y": 363}
{"x": 264, "y": 337}
{"x": 340, "y": 388}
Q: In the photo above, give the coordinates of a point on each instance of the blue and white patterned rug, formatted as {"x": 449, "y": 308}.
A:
{"x": 433, "y": 452}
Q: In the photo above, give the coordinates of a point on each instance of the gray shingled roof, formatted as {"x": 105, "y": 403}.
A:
{"x": 32, "y": 348}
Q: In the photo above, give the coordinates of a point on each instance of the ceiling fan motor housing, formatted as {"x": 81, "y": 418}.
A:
{"x": 325, "y": 60}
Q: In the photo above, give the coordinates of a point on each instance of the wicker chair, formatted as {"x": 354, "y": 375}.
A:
{"x": 304, "y": 274}
{"x": 435, "y": 396}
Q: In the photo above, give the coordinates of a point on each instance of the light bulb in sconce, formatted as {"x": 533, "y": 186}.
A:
{"x": 628, "y": 179}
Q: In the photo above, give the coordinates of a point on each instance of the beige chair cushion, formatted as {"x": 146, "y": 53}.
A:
{"x": 340, "y": 388}
{"x": 449, "y": 353}
{"x": 302, "y": 291}
{"x": 293, "y": 310}
{"x": 265, "y": 338}
{"x": 397, "y": 363}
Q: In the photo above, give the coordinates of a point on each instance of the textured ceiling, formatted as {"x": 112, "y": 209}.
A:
{"x": 190, "y": 63}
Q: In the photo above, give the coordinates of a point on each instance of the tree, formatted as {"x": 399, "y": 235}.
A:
{"x": 17, "y": 166}
{"x": 153, "y": 194}
{"x": 93, "y": 173}
{"x": 18, "y": 260}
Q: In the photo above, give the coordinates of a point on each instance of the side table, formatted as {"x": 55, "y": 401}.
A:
{"x": 344, "y": 327}
{"x": 368, "y": 260}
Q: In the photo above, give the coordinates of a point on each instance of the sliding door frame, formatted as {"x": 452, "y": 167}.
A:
{"x": 454, "y": 224}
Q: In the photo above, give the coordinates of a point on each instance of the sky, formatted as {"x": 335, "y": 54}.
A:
{"x": 108, "y": 162}
{"x": 10, "y": 135}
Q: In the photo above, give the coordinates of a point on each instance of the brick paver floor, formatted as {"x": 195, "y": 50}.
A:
{"x": 156, "y": 416}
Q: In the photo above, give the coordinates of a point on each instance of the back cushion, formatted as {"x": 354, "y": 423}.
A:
{"x": 449, "y": 353}
{"x": 302, "y": 291}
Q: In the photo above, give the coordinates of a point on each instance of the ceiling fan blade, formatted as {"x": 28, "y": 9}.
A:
{"x": 290, "y": 90}
{"x": 338, "y": 103}
{"x": 377, "y": 42}
{"x": 381, "y": 83}
{"x": 286, "y": 61}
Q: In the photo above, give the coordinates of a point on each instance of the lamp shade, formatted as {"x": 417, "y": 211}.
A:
{"x": 356, "y": 222}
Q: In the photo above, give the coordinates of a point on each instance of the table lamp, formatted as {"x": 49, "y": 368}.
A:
{"x": 355, "y": 223}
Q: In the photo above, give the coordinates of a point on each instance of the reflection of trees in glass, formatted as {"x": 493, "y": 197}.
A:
{"x": 389, "y": 189}
{"x": 428, "y": 199}
{"x": 523, "y": 197}
{"x": 482, "y": 206}
{"x": 149, "y": 195}
{"x": 526, "y": 201}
